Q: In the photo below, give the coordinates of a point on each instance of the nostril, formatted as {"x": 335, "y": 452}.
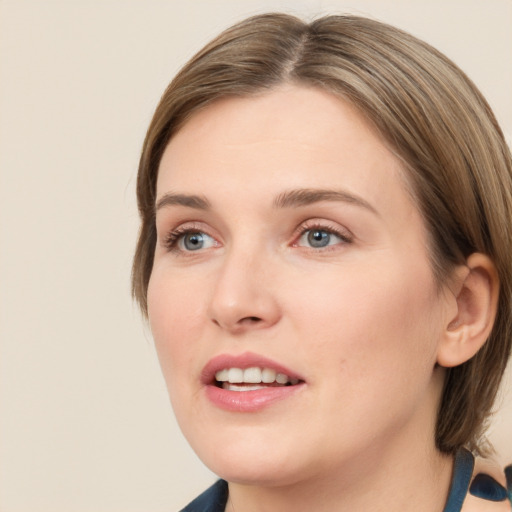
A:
{"x": 247, "y": 320}
{"x": 251, "y": 319}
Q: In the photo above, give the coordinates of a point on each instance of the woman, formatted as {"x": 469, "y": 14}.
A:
{"x": 324, "y": 260}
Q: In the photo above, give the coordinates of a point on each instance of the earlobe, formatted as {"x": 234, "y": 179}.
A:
{"x": 476, "y": 302}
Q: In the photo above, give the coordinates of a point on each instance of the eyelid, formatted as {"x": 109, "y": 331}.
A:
{"x": 322, "y": 225}
{"x": 172, "y": 236}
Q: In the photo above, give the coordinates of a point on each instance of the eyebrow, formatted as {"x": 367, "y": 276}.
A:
{"x": 289, "y": 199}
{"x": 307, "y": 196}
{"x": 191, "y": 201}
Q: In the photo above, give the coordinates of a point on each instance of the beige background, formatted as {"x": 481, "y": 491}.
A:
{"x": 84, "y": 419}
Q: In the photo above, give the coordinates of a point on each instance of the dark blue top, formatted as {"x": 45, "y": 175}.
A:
{"x": 483, "y": 486}
{"x": 213, "y": 499}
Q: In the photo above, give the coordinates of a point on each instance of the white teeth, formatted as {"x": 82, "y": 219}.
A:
{"x": 268, "y": 375}
{"x": 235, "y": 375}
{"x": 281, "y": 378}
{"x": 252, "y": 375}
{"x": 241, "y": 387}
{"x": 222, "y": 376}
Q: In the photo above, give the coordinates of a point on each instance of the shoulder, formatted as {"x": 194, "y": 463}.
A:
{"x": 490, "y": 489}
{"x": 214, "y": 499}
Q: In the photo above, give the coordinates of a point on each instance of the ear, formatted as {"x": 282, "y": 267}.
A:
{"x": 472, "y": 312}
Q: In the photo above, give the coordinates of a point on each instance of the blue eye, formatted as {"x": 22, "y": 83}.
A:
{"x": 318, "y": 238}
{"x": 194, "y": 241}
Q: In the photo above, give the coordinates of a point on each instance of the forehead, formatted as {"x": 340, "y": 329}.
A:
{"x": 291, "y": 137}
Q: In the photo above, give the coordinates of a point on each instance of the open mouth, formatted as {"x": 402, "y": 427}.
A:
{"x": 252, "y": 379}
{"x": 248, "y": 382}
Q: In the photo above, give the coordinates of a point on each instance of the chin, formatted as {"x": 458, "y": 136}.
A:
{"x": 247, "y": 459}
{"x": 259, "y": 473}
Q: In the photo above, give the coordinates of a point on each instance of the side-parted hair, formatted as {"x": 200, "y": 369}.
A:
{"x": 432, "y": 117}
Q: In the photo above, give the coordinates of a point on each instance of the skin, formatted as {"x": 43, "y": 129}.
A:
{"x": 361, "y": 321}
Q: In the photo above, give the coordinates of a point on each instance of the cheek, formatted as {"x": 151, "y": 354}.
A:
{"x": 371, "y": 346}
{"x": 373, "y": 323}
{"x": 175, "y": 320}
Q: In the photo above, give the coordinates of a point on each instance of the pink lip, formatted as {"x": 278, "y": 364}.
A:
{"x": 246, "y": 401}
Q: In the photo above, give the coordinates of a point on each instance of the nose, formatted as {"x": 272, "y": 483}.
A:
{"x": 244, "y": 297}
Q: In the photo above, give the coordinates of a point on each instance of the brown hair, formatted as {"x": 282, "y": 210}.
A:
{"x": 433, "y": 118}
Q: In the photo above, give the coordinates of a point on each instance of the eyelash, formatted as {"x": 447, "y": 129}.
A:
{"x": 172, "y": 239}
{"x": 345, "y": 236}
{"x": 170, "y": 242}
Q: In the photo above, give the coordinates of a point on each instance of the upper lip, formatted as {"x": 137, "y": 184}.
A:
{"x": 243, "y": 361}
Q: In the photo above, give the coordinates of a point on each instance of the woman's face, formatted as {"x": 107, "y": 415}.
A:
{"x": 291, "y": 256}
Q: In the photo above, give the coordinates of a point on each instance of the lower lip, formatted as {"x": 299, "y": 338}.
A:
{"x": 249, "y": 401}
